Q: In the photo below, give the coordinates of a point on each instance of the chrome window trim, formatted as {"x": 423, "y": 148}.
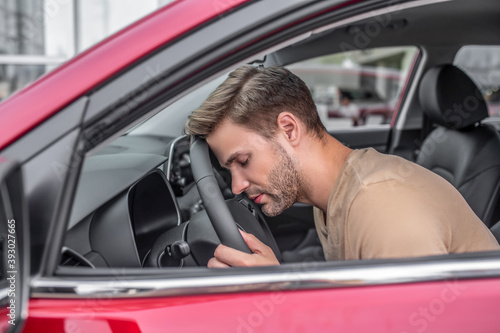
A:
{"x": 309, "y": 275}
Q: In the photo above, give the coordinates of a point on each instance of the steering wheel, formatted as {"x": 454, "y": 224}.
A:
{"x": 221, "y": 213}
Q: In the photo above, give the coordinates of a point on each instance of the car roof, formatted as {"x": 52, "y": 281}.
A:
{"x": 31, "y": 106}
{"x": 444, "y": 25}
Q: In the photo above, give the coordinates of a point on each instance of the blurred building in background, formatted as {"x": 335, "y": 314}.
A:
{"x": 38, "y": 35}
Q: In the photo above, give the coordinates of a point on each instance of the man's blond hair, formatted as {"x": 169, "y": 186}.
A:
{"x": 254, "y": 97}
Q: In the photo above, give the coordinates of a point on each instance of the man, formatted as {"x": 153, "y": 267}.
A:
{"x": 263, "y": 126}
{"x": 348, "y": 109}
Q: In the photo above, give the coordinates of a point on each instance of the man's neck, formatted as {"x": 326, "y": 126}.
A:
{"x": 321, "y": 166}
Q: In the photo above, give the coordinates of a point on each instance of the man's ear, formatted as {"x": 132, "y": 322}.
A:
{"x": 288, "y": 126}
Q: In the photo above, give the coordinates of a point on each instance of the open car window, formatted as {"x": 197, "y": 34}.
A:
{"x": 133, "y": 189}
{"x": 140, "y": 186}
{"x": 357, "y": 88}
{"x": 482, "y": 64}
{"x": 107, "y": 202}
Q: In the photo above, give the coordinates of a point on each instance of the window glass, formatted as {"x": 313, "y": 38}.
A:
{"x": 38, "y": 35}
{"x": 21, "y": 27}
{"x": 482, "y": 64}
{"x": 59, "y": 29}
{"x": 357, "y": 88}
{"x": 15, "y": 77}
{"x": 370, "y": 79}
{"x": 99, "y": 19}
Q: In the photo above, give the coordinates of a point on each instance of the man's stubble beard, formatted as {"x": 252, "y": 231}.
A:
{"x": 285, "y": 184}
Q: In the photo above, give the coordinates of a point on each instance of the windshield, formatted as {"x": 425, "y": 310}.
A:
{"x": 170, "y": 121}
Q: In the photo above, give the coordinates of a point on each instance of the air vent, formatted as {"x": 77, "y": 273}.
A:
{"x": 71, "y": 258}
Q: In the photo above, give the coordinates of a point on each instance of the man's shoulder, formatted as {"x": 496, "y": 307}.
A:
{"x": 372, "y": 167}
{"x": 371, "y": 173}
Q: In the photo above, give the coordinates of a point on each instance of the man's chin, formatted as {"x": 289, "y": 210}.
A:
{"x": 274, "y": 212}
{"x": 270, "y": 214}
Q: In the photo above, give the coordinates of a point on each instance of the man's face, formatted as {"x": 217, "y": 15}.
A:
{"x": 259, "y": 167}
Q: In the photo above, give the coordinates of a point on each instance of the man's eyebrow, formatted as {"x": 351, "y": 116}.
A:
{"x": 231, "y": 159}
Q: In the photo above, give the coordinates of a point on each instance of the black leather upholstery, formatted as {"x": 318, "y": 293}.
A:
{"x": 495, "y": 230}
{"x": 461, "y": 150}
{"x": 450, "y": 98}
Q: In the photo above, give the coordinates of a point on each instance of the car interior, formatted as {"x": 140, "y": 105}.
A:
{"x": 141, "y": 201}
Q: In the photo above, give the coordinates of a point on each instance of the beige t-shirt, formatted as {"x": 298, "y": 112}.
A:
{"x": 383, "y": 206}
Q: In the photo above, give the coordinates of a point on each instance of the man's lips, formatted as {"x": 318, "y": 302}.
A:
{"x": 257, "y": 198}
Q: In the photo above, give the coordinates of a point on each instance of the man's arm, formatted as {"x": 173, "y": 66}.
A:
{"x": 262, "y": 255}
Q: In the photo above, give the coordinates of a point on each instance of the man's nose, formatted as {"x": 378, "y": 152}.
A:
{"x": 238, "y": 183}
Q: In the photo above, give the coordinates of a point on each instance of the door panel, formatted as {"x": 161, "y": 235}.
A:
{"x": 440, "y": 306}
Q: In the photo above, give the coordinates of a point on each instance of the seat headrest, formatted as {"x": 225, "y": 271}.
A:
{"x": 450, "y": 98}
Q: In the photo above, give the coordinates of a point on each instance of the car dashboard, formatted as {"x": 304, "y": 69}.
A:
{"x": 127, "y": 199}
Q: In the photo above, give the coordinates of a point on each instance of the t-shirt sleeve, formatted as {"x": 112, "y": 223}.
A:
{"x": 390, "y": 220}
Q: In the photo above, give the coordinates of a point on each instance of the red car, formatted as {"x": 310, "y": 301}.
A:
{"x": 103, "y": 228}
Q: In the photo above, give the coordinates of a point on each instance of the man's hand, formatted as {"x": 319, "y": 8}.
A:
{"x": 228, "y": 257}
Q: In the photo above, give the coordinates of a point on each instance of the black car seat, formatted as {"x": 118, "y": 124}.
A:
{"x": 461, "y": 149}
{"x": 495, "y": 230}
